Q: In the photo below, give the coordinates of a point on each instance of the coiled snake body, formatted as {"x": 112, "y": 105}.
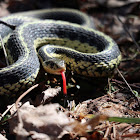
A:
{"x": 84, "y": 50}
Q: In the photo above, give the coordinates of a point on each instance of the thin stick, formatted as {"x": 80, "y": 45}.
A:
{"x": 126, "y": 82}
{"x": 5, "y": 112}
{"x": 4, "y": 50}
{"x": 128, "y": 32}
{"x": 16, "y": 105}
{"x": 121, "y": 82}
{"x": 107, "y": 132}
{"x": 114, "y": 131}
{"x": 24, "y": 94}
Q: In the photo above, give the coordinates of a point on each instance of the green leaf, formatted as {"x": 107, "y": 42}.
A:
{"x": 124, "y": 120}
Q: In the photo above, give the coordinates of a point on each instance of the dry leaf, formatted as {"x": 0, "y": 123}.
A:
{"x": 43, "y": 119}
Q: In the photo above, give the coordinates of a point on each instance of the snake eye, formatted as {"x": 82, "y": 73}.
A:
{"x": 54, "y": 66}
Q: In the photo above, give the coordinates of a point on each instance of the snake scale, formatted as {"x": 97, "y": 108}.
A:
{"x": 68, "y": 39}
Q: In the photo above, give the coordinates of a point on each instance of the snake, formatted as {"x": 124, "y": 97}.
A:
{"x": 60, "y": 39}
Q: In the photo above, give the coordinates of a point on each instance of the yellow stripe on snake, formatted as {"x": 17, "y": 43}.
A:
{"x": 72, "y": 43}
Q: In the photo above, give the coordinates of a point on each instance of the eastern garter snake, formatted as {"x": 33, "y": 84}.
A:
{"x": 84, "y": 50}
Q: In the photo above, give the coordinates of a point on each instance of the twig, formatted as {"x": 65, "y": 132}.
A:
{"x": 4, "y": 50}
{"x": 126, "y": 129}
{"x": 126, "y": 83}
{"x": 109, "y": 88}
{"x": 17, "y": 102}
{"x": 131, "y": 135}
{"x": 114, "y": 131}
{"x": 108, "y": 130}
{"x": 5, "y": 112}
{"x": 128, "y": 32}
{"x": 121, "y": 82}
{"x": 24, "y": 94}
{"x": 131, "y": 58}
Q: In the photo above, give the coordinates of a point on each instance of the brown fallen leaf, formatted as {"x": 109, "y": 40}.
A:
{"x": 46, "y": 96}
{"x": 82, "y": 129}
{"x": 46, "y": 120}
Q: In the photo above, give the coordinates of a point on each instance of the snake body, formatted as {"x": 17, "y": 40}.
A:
{"x": 84, "y": 50}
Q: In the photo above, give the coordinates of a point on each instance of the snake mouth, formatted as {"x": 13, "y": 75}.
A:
{"x": 54, "y": 71}
{"x": 59, "y": 71}
{"x": 54, "y": 67}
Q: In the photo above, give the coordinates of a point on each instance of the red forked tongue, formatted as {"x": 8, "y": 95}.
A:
{"x": 64, "y": 82}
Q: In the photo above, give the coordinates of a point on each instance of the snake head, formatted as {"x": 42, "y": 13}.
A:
{"x": 54, "y": 66}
